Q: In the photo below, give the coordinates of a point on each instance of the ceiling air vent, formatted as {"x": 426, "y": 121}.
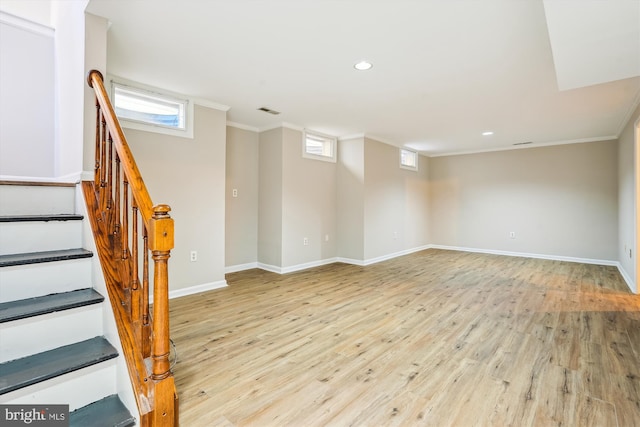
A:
{"x": 523, "y": 143}
{"x": 269, "y": 110}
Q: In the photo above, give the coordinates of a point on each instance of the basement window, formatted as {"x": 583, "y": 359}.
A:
{"x": 408, "y": 159}
{"x": 151, "y": 110}
{"x": 318, "y": 146}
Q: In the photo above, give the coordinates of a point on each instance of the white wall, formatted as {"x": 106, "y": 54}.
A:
{"x": 361, "y": 209}
{"x": 559, "y": 201}
{"x": 37, "y": 11}
{"x": 396, "y": 205}
{"x": 627, "y": 200}
{"x": 308, "y": 204}
{"x": 241, "y": 217}
{"x": 42, "y": 85}
{"x": 27, "y": 130}
{"x": 189, "y": 175}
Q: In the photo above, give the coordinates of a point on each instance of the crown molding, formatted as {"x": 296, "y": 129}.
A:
{"x": 281, "y": 125}
{"x": 26, "y": 24}
{"x": 348, "y": 137}
{"x": 242, "y": 126}
{"x": 379, "y": 139}
{"x": 210, "y": 104}
{"x": 523, "y": 147}
{"x": 627, "y": 116}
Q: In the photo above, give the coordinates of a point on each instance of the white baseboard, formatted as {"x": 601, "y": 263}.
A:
{"x": 240, "y": 267}
{"x": 197, "y": 289}
{"x": 351, "y": 261}
{"x": 269, "y": 267}
{"x": 73, "y": 178}
{"x": 363, "y": 263}
{"x": 304, "y": 266}
{"x": 528, "y": 255}
{"x": 627, "y": 278}
{"x": 375, "y": 260}
{"x": 294, "y": 268}
{"x": 395, "y": 255}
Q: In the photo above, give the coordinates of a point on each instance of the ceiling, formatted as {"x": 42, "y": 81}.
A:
{"x": 443, "y": 71}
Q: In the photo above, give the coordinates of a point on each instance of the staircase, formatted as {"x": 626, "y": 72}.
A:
{"x": 52, "y": 348}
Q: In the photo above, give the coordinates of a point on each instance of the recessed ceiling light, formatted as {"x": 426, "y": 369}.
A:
{"x": 363, "y": 65}
{"x": 487, "y": 133}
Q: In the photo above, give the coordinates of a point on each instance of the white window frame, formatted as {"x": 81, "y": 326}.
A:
{"x": 415, "y": 156}
{"x": 328, "y": 139}
{"x": 145, "y": 90}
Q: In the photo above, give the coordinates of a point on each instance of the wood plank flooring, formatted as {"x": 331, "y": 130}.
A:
{"x": 436, "y": 338}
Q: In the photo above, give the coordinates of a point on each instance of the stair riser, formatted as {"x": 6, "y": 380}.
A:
{"x": 22, "y": 237}
{"x": 36, "y": 200}
{"x": 75, "y": 389}
{"x": 28, "y": 281}
{"x": 24, "y": 337}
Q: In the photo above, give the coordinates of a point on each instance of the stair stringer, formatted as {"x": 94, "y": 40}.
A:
{"x": 124, "y": 386}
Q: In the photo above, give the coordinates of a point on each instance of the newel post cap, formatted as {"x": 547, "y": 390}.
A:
{"x": 161, "y": 229}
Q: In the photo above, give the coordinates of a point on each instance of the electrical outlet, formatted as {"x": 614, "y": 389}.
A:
{"x": 305, "y": 241}
{"x": 234, "y": 192}
{"x": 512, "y": 234}
{"x": 395, "y": 235}
{"x": 326, "y": 237}
{"x": 194, "y": 256}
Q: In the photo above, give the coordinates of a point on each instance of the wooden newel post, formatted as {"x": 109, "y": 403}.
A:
{"x": 160, "y": 243}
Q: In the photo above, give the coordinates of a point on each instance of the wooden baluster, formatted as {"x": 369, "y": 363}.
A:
{"x": 103, "y": 170}
{"x": 125, "y": 218}
{"x": 161, "y": 235}
{"x": 110, "y": 174}
{"x": 134, "y": 246}
{"x": 146, "y": 337}
{"x": 136, "y": 300}
{"x": 96, "y": 177}
{"x": 145, "y": 277}
{"x": 117, "y": 212}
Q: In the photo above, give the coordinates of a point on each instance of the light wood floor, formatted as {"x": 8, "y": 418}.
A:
{"x": 437, "y": 338}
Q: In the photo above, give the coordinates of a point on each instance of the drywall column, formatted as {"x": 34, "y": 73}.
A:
{"x": 68, "y": 19}
{"x": 628, "y": 200}
{"x": 241, "y": 217}
{"x": 270, "y": 199}
{"x": 350, "y": 200}
{"x": 636, "y": 273}
{"x": 95, "y": 58}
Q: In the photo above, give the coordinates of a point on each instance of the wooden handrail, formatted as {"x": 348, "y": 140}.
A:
{"x": 138, "y": 188}
{"x": 116, "y": 199}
